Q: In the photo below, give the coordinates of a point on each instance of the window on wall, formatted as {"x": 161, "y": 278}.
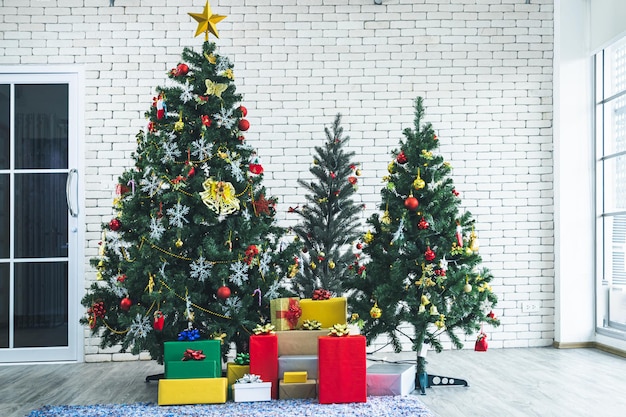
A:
{"x": 610, "y": 111}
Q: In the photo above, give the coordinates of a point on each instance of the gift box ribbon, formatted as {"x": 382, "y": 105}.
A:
{"x": 193, "y": 355}
{"x": 292, "y": 314}
{"x": 250, "y": 379}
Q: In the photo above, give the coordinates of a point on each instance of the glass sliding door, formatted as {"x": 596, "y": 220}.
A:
{"x": 38, "y": 218}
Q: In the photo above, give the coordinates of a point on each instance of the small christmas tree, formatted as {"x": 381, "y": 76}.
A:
{"x": 329, "y": 221}
{"x": 423, "y": 267}
{"x": 194, "y": 250}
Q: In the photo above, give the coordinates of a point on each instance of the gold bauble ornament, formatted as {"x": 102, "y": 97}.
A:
{"x": 313, "y": 265}
{"x": 179, "y": 243}
{"x": 331, "y": 264}
{"x": 376, "y": 312}
{"x": 391, "y": 168}
{"x": 467, "y": 287}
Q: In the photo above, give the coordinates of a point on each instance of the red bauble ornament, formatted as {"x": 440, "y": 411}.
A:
{"x": 423, "y": 224}
{"x": 244, "y": 125}
{"x": 359, "y": 245}
{"x": 401, "y": 158}
{"x": 411, "y": 203}
{"x": 352, "y": 180}
{"x": 115, "y": 224}
{"x": 181, "y": 69}
{"x": 126, "y": 303}
{"x": 429, "y": 255}
{"x": 223, "y": 292}
{"x": 244, "y": 111}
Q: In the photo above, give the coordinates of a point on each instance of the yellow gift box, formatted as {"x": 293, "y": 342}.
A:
{"x": 293, "y": 377}
{"x": 328, "y": 312}
{"x": 192, "y": 391}
{"x": 233, "y": 373}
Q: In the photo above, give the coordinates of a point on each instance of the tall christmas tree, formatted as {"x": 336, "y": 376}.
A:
{"x": 194, "y": 250}
{"x": 329, "y": 221}
{"x": 424, "y": 268}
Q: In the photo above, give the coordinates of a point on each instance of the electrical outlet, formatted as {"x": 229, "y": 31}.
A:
{"x": 530, "y": 307}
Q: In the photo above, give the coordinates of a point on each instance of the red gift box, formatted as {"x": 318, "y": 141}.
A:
{"x": 342, "y": 375}
{"x": 264, "y": 359}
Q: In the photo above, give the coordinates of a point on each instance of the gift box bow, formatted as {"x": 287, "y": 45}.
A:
{"x": 321, "y": 294}
{"x": 292, "y": 314}
{"x": 193, "y": 355}
{"x": 339, "y": 330}
{"x": 250, "y": 379}
{"x": 311, "y": 325}
{"x": 242, "y": 359}
{"x": 192, "y": 334}
{"x": 265, "y": 329}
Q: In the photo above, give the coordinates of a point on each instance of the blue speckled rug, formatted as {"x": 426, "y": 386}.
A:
{"x": 375, "y": 406}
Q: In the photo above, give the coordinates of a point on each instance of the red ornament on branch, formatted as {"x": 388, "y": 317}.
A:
{"x": 429, "y": 255}
{"x": 115, "y": 224}
{"x": 180, "y": 70}
{"x": 411, "y": 203}
{"x": 401, "y": 158}
{"x": 126, "y": 303}
{"x": 423, "y": 224}
{"x": 223, "y": 292}
{"x": 244, "y": 125}
{"x": 244, "y": 111}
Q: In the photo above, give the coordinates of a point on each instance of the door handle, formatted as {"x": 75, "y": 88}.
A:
{"x": 68, "y": 191}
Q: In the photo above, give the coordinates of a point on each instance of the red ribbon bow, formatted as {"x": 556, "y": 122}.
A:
{"x": 292, "y": 314}
{"x": 193, "y": 355}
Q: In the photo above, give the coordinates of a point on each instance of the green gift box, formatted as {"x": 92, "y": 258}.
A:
{"x": 176, "y": 368}
{"x": 191, "y": 369}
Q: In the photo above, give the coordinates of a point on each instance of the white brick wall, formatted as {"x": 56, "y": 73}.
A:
{"x": 483, "y": 66}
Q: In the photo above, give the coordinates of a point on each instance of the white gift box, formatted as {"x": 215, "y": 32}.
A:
{"x": 257, "y": 391}
{"x": 390, "y": 379}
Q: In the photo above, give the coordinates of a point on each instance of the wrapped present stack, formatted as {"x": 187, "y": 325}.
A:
{"x": 193, "y": 371}
{"x": 300, "y": 370}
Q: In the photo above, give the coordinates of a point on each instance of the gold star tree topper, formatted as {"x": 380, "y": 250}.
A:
{"x": 207, "y": 21}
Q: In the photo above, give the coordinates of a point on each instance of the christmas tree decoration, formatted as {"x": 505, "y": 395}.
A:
{"x": 243, "y": 110}
{"x": 473, "y": 241}
{"x": 115, "y": 225}
{"x": 207, "y": 22}
{"x": 243, "y": 125}
{"x": 188, "y": 225}
{"x": 126, "y": 303}
{"x": 181, "y": 70}
{"x": 401, "y": 158}
{"x": 481, "y": 344}
{"x": 330, "y": 219}
{"x": 411, "y": 203}
{"x": 376, "y": 312}
{"x": 159, "y": 321}
{"x": 223, "y": 292}
{"x": 417, "y": 267}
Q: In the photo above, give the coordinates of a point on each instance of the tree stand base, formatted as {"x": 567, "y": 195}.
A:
{"x": 425, "y": 380}
{"x": 154, "y": 377}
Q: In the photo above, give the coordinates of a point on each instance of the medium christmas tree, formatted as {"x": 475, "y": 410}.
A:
{"x": 424, "y": 267}
{"x": 329, "y": 222}
{"x": 194, "y": 250}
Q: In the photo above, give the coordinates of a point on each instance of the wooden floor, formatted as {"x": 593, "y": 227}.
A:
{"x": 502, "y": 383}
